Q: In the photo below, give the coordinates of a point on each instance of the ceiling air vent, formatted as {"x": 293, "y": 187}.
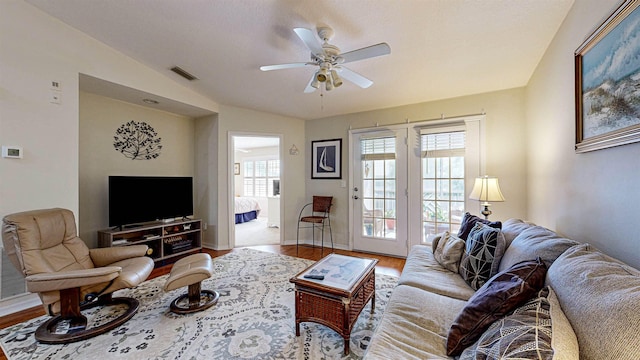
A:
{"x": 183, "y": 73}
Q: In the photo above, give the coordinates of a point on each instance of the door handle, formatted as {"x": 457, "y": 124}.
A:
{"x": 355, "y": 197}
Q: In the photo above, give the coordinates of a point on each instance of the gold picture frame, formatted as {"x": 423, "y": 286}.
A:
{"x": 606, "y": 78}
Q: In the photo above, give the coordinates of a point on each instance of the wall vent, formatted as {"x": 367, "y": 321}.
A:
{"x": 183, "y": 73}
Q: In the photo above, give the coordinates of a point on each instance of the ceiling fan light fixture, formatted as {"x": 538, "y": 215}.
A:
{"x": 337, "y": 80}
{"x": 321, "y": 75}
{"x": 315, "y": 83}
{"x": 329, "y": 84}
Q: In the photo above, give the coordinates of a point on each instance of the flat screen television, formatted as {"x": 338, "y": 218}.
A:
{"x": 139, "y": 199}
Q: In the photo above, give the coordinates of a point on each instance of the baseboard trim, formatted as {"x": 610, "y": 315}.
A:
{"x": 18, "y": 303}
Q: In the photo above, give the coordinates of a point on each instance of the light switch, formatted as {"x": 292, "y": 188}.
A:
{"x": 12, "y": 152}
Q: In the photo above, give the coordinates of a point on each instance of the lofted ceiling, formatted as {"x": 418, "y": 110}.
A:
{"x": 439, "y": 48}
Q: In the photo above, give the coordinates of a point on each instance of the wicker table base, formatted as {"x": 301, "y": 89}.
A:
{"x": 336, "y": 307}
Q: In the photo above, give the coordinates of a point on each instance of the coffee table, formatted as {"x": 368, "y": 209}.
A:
{"x": 337, "y": 300}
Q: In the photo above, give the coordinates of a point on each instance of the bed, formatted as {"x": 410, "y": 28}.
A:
{"x": 246, "y": 209}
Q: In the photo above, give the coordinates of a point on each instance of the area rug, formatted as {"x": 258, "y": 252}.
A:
{"x": 254, "y": 319}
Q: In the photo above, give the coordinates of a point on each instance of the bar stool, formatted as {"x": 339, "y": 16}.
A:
{"x": 319, "y": 218}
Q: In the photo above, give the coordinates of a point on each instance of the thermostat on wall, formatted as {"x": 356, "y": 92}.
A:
{"x": 13, "y": 152}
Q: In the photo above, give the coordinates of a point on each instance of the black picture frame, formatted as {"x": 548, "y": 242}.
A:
{"x": 326, "y": 159}
{"x": 606, "y": 78}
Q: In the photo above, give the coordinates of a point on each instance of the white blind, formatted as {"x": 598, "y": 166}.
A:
{"x": 446, "y": 144}
{"x": 378, "y": 148}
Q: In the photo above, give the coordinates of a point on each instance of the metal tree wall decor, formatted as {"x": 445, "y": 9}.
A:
{"x": 137, "y": 141}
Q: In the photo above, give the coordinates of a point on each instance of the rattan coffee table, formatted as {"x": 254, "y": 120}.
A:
{"x": 337, "y": 299}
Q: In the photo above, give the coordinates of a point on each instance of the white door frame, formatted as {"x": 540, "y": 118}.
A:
{"x": 402, "y": 170}
{"x": 231, "y": 180}
{"x": 473, "y": 167}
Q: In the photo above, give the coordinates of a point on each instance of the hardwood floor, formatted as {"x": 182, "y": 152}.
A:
{"x": 386, "y": 265}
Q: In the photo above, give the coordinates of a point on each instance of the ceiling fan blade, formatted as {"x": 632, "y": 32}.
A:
{"x": 309, "y": 88}
{"x": 367, "y": 52}
{"x": 354, "y": 77}
{"x": 309, "y": 38}
{"x": 284, "y": 66}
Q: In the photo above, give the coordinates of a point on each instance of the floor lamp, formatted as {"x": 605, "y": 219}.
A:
{"x": 486, "y": 189}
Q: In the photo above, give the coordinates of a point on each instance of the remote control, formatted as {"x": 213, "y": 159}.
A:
{"x": 314, "y": 277}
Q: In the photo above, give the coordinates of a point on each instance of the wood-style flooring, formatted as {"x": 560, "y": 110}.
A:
{"x": 386, "y": 265}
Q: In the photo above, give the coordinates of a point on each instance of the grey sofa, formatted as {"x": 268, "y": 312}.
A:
{"x": 593, "y": 302}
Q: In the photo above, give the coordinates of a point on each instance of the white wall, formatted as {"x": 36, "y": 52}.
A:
{"x": 99, "y": 118}
{"x": 505, "y": 140}
{"x": 591, "y": 197}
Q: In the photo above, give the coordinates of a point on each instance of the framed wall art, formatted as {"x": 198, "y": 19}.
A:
{"x": 326, "y": 159}
{"x": 607, "y": 72}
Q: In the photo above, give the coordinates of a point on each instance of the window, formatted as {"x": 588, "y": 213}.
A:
{"x": 259, "y": 176}
{"x": 443, "y": 178}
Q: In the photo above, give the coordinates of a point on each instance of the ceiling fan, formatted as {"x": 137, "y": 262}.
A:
{"x": 330, "y": 61}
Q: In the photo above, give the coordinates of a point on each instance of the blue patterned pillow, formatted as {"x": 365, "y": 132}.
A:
{"x": 481, "y": 259}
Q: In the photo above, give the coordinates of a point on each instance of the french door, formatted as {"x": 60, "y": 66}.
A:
{"x": 411, "y": 182}
{"x": 379, "y": 191}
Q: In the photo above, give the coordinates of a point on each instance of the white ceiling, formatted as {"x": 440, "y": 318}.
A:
{"x": 439, "y": 48}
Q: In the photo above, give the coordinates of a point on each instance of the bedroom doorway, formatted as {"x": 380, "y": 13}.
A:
{"x": 256, "y": 189}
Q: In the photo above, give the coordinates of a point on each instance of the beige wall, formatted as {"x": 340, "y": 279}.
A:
{"x": 37, "y": 49}
{"x": 99, "y": 118}
{"x": 232, "y": 119}
{"x": 505, "y": 140}
{"x": 591, "y": 197}
{"x": 206, "y": 176}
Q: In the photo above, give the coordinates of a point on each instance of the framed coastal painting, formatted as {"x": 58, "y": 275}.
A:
{"x": 607, "y": 71}
{"x": 326, "y": 159}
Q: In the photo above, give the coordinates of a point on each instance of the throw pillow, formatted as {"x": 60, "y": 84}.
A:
{"x": 481, "y": 259}
{"x": 469, "y": 221}
{"x": 536, "y": 330}
{"x": 535, "y": 241}
{"x": 448, "y": 251}
{"x": 495, "y": 299}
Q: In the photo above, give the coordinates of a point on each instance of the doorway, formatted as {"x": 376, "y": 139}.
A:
{"x": 256, "y": 189}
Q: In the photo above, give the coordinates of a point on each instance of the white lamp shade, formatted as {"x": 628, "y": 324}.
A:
{"x": 486, "y": 189}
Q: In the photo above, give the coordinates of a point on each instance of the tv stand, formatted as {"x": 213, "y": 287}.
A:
{"x": 128, "y": 226}
{"x": 166, "y": 240}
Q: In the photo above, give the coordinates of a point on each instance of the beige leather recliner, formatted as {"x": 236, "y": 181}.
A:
{"x": 67, "y": 275}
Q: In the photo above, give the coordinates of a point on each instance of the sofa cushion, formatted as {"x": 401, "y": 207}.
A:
{"x": 532, "y": 242}
{"x": 421, "y": 270}
{"x": 449, "y": 251}
{"x": 481, "y": 258}
{"x": 499, "y": 296}
{"x": 414, "y": 325}
{"x": 469, "y": 221}
{"x": 512, "y": 228}
{"x": 600, "y": 296}
{"x": 536, "y": 330}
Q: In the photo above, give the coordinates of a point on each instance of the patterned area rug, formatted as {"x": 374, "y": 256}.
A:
{"x": 254, "y": 319}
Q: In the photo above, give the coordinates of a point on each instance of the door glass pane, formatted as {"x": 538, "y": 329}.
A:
{"x": 442, "y": 182}
{"x": 378, "y": 187}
